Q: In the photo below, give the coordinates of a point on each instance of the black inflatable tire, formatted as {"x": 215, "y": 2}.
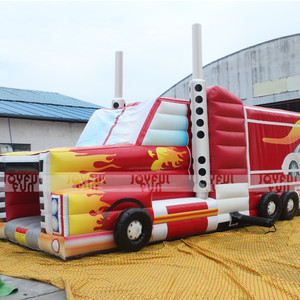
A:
{"x": 269, "y": 206}
{"x": 288, "y": 213}
{"x": 132, "y": 217}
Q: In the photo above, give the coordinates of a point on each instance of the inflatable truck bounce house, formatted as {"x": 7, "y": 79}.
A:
{"x": 154, "y": 171}
{"x": 134, "y": 183}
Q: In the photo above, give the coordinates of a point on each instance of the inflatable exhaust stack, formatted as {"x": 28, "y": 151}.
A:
{"x": 118, "y": 101}
{"x": 199, "y": 119}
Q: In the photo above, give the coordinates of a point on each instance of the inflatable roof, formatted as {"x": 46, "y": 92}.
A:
{"x": 127, "y": 125}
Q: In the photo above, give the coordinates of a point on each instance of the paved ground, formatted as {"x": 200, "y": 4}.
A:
{"x": 32, "y": 289}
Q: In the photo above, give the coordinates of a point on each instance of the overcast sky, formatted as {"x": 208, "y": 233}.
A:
{"x": 69, "y": 46}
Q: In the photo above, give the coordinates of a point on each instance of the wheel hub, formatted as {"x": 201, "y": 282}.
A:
{"x": 134, "y": 230}
{"x": 271, "y": 208}
{"x": 290, "y": 205}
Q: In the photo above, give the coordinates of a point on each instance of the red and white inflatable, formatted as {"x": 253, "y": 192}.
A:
{"x": 153, "y": 171}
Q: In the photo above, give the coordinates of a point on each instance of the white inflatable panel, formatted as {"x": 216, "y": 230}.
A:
{"x": 129, "y": 123}
{"x": 169, "y": 122}
{"x": 171, "y": 108}
{"x": 212, "y": 223}
{"x": 233, "y": 204}
{"x": 98, "y": 127}
{"x": 168, "y": 126}
{"x": 66, "y": 220}
{"x": 18, "y": 158}
{"x": 46, "y": 188}
{"x": 231, "y": 190}
{"x": 159, "y": 232}
{"x": 156, "y": 137}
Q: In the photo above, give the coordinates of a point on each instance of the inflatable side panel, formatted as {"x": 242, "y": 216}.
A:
{"x": 227, "y": 135}
{"x": 90, "y": 186}
{"x": 273, "y": 151}
{"x": 45, "y": 192}
{"x": 167, "y": 126}
{"x": 183, "y": 216}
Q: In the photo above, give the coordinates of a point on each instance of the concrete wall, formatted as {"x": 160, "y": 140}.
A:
{"x": 265, "y": 73}
{"x": 41, "y": 135}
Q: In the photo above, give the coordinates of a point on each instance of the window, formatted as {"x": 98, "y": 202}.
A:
{"x": 14, "y": 147}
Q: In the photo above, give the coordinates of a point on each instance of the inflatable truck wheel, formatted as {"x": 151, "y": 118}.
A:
{"x": 132, "y": 229}
{"x": 269, "y": 206}
{"x": 290, "y": 205}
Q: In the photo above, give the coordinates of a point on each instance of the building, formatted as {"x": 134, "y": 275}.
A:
{"x": 267, "y": 74}
{"x": 35, "y": 120}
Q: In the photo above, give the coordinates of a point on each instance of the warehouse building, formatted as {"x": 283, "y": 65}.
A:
{"x": 267, "y": 74}
{"x": 35, "y": 120}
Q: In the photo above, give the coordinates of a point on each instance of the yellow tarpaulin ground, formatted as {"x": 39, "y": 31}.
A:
{"x": 237, "y": 264}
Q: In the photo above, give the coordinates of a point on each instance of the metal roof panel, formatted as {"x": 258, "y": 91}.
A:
{"x": 12, "y": 94}
{"x": 20, "y": 103}
{"x": 44, "y": 111}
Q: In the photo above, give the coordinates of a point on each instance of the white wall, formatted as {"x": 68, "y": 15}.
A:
{"x": 41, "y": 135}
{"x": 265, "y": 73}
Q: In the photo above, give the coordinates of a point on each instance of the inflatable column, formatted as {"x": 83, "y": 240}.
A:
{"x": 118, "y": 101}
{"x": 199, "y": 119}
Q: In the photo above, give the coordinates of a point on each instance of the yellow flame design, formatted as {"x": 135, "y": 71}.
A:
{"x": 292, "y": 137}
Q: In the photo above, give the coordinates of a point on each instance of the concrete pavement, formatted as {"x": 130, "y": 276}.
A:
{"x": 32, "y": 289}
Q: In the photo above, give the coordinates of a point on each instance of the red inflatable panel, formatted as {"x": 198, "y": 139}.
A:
{"x": 186, "y": 227}
{"x": 227, "y": 136}
{"x": 21, "y": 195}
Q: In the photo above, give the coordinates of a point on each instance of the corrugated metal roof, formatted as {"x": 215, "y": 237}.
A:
{"x": 19, "y": 103}
{"x": 42, "y": 97}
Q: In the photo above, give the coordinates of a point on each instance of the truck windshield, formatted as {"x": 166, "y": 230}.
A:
{"x": 115, "y": 126}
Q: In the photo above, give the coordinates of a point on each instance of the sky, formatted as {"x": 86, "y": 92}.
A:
{"x": 68, "y": 47}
